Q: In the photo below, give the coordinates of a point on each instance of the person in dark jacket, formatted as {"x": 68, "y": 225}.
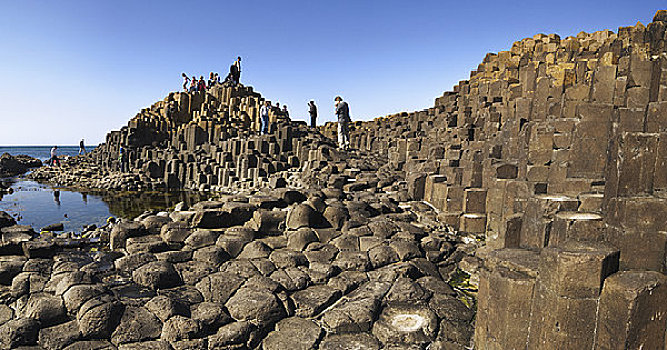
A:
{"x": 312, "y": 110}
{"x": 343, "y": 113}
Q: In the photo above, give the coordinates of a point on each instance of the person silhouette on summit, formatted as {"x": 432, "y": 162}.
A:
{"x": 82, "y": 149}
{"x": 312, "y": 110}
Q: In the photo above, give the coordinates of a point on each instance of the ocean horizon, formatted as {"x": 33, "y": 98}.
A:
{"x": 43, "y": 152}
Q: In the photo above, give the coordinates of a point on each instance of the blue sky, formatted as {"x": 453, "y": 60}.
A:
{"x": 77, "y": 69}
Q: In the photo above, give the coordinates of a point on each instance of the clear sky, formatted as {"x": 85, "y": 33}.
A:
{"x": 77, "y": 69}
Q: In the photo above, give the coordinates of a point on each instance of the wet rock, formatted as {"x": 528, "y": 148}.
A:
{"x": 60, "y": 336}
{"x": 293, "y": 333}
{"x": 157, "y": 275}
{"x": 53, "y": 227}
{"x": 258, "y": 306}
{"x": 136, "y": 324}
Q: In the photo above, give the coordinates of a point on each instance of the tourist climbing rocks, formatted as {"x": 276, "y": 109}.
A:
{"x": 54, "y": 156}
{"x": 343, "y": 113}
{"x": 186, "y": 80}
{"x": 312, "y": 110}
{"x": 122, "y": 159}
{"x": 82, "y": 148}
{"x": 264, "y": 117}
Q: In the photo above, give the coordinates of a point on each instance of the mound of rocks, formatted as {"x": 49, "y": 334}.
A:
{"x": 17, "y": 165}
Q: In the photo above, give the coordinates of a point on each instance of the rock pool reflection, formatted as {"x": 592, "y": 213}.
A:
{"x": 39, "y": 205}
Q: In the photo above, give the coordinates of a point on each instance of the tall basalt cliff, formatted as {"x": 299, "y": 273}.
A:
{"x": 555, "y": 153}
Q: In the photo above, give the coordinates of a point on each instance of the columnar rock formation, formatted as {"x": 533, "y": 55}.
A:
{"x": 555, "y": 152}
{"x": 205, "y": 140}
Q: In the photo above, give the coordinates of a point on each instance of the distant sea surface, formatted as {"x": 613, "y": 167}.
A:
{"x": 42, "y": 152}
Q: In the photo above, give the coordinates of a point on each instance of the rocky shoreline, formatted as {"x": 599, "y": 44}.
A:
{"x": 275, "y": 268}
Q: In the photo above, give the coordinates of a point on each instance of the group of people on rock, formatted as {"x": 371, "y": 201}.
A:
{"x": 194, "y": 85}
{"x": 54, "y": 160}
{"x": 264, "y": 112}
{"x": 342, "y": 110}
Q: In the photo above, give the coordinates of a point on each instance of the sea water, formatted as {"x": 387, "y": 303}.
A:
{"x": 38, "y": 205}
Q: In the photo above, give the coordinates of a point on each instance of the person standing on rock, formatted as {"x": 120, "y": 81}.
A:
{"x": 82, "y": 149}
{"x": 237, "y": 70}
{"x": 186, "y": 80}
{"x": 285, "y": 112}
{"x": 264, "y": 118}
{"x": 193, "y": 84}
{"x": 122, "y": 159}
{"x": 312, "y": 110}
{"x": 343, "y": 113}
{"x": 54, "y": 156}
{"x": 201, "y": 85}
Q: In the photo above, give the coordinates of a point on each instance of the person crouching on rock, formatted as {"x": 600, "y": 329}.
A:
{"x": 54, "y": 156}
{"x": 343, "y": 113}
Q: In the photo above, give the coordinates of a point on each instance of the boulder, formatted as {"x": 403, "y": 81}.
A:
{"x": 60, "y": 336}
{"x": 136, "y": 324}
{"x": 14, "y": 333}
{"x": 257, "y": 306}
{"x": 157, "y": 275}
